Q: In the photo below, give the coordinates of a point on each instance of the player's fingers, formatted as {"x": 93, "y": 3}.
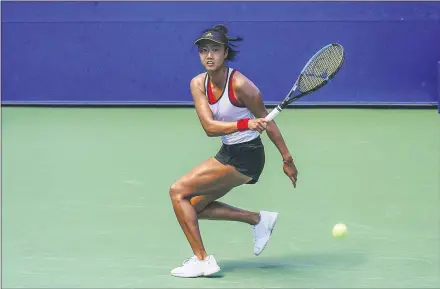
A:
{"x": 293, "y": 178}
{"x": 260, "y": 124}
{"x": 263, "y": 121}
{"x": 295, "y": 175}
{"x": 294, "y": 183}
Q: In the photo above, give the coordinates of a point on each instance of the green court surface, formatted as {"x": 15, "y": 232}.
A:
{"x": 85, "y": 200}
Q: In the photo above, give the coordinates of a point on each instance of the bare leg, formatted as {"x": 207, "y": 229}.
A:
{"x": 209, "y": 178}
{"x": 221, "y": 211}
{"x": 187, "y": 218}
{"x": 209, "y": 209}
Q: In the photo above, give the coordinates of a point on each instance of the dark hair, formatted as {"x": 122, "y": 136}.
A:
{"x": 223, "y": 30}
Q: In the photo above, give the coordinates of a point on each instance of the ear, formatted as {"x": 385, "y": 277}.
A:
{"x": 226, "y": 52}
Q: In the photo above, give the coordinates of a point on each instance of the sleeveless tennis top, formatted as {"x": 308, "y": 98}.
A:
{"x": 228, "y": 109}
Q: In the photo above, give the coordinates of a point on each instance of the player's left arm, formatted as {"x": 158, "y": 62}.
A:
{"x": 247, "y": 93}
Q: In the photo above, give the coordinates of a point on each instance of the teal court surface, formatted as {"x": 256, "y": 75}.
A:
{"x": 85, "y": 200}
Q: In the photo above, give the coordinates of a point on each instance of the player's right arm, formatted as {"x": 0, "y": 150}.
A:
{"x": 213, "y": 127}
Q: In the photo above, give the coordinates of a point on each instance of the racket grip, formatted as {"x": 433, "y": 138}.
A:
{"x": 273, "y": 113}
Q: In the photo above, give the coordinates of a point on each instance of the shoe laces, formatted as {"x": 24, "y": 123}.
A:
{"x": 192, "y": 259}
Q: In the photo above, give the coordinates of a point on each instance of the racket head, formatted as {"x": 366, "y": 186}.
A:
{"x": 321, "y": 68}
{"x": 318, "y": 71}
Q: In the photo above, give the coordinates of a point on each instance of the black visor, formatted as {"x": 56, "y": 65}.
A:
{"x": 213, "y": 35}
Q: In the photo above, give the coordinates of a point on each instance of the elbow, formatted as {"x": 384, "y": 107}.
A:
{"x": 209, "y": 130}
{"x": 210, "y": 133}
{"x": 213, "y": 130}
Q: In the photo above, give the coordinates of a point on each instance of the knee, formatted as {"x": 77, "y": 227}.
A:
{"x": 177, "y": 191}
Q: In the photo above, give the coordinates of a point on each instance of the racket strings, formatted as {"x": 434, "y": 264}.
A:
{"x": 321, "y": 68}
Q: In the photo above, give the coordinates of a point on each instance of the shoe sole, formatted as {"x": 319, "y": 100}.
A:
{"x": 205, "y": 274}
{"x": 270, "y": 234}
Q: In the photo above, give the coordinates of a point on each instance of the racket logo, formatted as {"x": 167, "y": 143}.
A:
{"x": 319, "y": 69}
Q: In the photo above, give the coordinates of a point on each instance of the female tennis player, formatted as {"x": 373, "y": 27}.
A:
{"x": 228, "y": 105}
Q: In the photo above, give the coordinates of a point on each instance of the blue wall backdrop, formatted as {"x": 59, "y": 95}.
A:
{"x": 141, "y": 52}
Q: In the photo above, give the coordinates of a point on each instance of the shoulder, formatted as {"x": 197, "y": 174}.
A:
{"x": 197, "y": 86}
{"x": 198, "y": 81}
{"x": 243, "y": 86}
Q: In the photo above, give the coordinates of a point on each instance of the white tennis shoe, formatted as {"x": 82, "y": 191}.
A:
{"x": 263, "y": 230}
{"x": 194, "y": 267}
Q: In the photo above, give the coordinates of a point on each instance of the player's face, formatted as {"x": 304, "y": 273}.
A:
{"x": 212, "y": 55}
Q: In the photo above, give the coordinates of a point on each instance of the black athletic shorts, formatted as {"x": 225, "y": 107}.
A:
{"x": 248, "y": 158}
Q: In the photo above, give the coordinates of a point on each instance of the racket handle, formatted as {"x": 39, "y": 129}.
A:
{"x": 273, "y": 113}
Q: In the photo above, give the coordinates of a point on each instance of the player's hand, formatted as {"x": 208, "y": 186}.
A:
{"x": 290, "y": 170}
{"x": 259, "y": 124}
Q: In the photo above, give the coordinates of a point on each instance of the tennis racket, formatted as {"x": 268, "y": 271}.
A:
{"x": 318, "y": 71}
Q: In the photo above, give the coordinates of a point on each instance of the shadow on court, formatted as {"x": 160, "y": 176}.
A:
{"x": 337, "y": 261}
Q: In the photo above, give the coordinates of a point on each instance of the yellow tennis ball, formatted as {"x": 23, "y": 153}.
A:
{"x": 339, "y": 230}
